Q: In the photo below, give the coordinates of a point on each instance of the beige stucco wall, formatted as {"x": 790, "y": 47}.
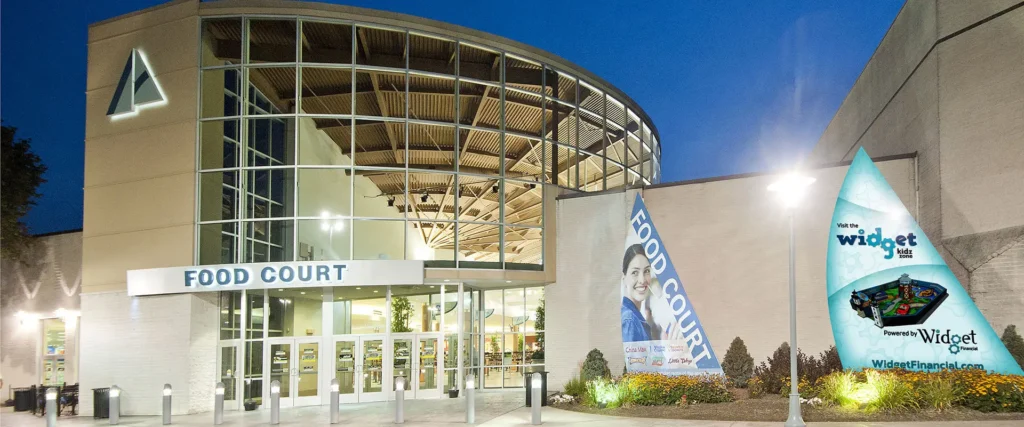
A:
{"x": 728, "y": 240}
{"x": 946, "y": 83}
{"x": 140, "y": 171}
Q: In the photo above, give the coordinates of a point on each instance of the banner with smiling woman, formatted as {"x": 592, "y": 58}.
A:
{"x": 660, "y": 329}
{"x": 893, "y": 301}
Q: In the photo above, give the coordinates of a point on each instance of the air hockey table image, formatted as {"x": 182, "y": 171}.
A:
{"x": 901, "y": 302}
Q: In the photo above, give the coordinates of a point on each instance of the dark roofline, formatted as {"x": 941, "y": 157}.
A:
{"x": 735, "y": 176}
{"x": 55, "y": 233}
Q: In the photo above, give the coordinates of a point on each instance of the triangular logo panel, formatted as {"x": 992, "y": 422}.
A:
{"x": 893, "y": 301}
{"x": 660, "y": 328}
{"x": 136, "y": 88}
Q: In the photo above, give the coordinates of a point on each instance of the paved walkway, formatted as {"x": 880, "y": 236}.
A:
{"x": 503, "y": 409}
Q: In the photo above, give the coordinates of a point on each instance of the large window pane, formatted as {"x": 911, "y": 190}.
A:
{"x": 295, "y": 312}
{"x": 523, "y": 158}
{"x": 218, "y": 144}
{"x": 523, "y": 202}
{"x": 561, "y": 86}
{"x": 255, "y": 314}
{"x": 325, "y": 192}
{"x": 325, "y": 43}
{"x": 380, "y": 47}
{"x": 521, "y": 73}
{"x": 326, "y": 91}
{"x": 222, "y": 41}
{"x": 427, "y": 53}
{"x": 359, "y": 310}
{"x": 380, "y": 143}
{"x": 478, "y": 152}
{"x": 269, "y": 193}
{"x": 217, "y": 243}
{"x": 230, "y": 315}
{"x": 380, "y": 94}
{"x": 253, "y": 380}
{"x": 324, "y": 239}
{"x": 431, "y": 98}
{"x": 422, "y": 304}
{"x": 267, "y": 241}
{"x": 271, "y": 90}
{"x": 479, "y": 63}
{"x": 431, "y": 195}
{"x": 523, "y": 113}
{"x": 431, "y": 147}
{"x": 478, "y": 199}
{"x": 479, "y": 246}
{"x": 271, "y": 40}
{"x": 221, "y": 92}
{"x": 479, "y": 105}
{"x": 378, "y": 239}
{"x": 523, "y": 246}
{"x": 218, "y": 195}
{"x": 379, "y": 193}
{"x": 270, "y": 142}
{"x": 428, "y": 242}
{"x": 325, "y": 141}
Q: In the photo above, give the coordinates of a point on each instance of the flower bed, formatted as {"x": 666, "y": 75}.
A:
{"x": 650, "y": 389}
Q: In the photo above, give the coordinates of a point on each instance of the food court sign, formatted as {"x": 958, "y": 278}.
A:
{"x": 227, "y": 277}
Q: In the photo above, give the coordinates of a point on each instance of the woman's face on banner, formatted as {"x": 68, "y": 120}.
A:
{"x": 638, "y": 278}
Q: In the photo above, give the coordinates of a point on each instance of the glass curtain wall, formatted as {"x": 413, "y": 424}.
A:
{"x": 371, "y": 142}
{"x": 513, "y": 335}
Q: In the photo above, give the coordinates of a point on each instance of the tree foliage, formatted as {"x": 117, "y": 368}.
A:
{"x": 595, "y": 366}
{"x": 1014, "y": 344}
{"x": 738, "y": 365}
{"x": 22, "y": 174}
{"x": 401, "y": 311}
{"x": 538, "y": 325}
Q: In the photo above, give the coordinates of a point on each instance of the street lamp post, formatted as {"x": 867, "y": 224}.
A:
{"x": 791, "y": 189}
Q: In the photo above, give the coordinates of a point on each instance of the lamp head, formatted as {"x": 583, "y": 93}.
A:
{"x": 220, "y": 389}
{"x": 115, "y": 391}
{"x": 335, "y": 386}
{"x": 167, "y": 389}
{"x": 470, "y": 382}
{"x": 51, "y": 393}
{"x": 538, "y": 380}
{"x": 399, "y": 383}
{"x": 791, "y": 188}
{"x": 275, "y": 387}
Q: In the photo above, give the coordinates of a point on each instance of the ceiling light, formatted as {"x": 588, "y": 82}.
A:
{"x": 531, "y": 186}
{"x": 374, "y": 291}
{"x": 302, "y": 293}
{"x": 391, "y": 202}
{"x": 494, "y": 189}
{"x": 446, "y": 280}
{"x": 424, "y": 197}
{"x": 508, "y": 281}
{"x": 358, "y": 288}
{"x": 325, "y": 214}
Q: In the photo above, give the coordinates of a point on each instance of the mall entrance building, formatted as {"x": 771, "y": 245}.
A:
{"x": 224, "y": 138}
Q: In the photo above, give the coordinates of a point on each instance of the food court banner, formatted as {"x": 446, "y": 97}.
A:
{"x": 660, "y": 329}
{"x": 893, "y": 301}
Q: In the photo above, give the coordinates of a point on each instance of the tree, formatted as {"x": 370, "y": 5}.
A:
{"x": 22, "y": 173}
{"x": 401, "y": 311}
{"x": 595, "y": 366}
{"x": 1014, "y": 344}
{"x": 738, "y": 365}
{"x": 538, "y": 325}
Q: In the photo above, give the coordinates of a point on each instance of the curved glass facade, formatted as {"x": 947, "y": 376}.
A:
{"x": 338, "y": 140}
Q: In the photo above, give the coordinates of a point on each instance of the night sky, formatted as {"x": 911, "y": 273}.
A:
{"x": 732, "y": 86}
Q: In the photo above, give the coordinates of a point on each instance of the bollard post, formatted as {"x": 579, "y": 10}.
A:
{"x": 115, "y": 405}
{"x": 535, "y": 407}
{"x": 470, "y": 399}
{"x": 167, "y": 404}
{"x": 275, "y": 402}
{"x": 335, "y": 416}
{"x": 218, "y": 404}
{"x": 51, "y": 407}
{"x": 400, "y": 400}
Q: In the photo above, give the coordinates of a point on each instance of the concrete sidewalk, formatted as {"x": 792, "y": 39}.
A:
{"x": 501, "y": 409}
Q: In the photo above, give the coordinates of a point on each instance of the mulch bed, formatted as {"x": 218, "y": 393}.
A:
{"x": 776, "y": 408}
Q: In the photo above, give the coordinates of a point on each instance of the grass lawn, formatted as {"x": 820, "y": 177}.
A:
{"x": 776, "y": 408}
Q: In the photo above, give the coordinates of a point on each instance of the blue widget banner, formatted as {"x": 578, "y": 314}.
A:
{"x": 660, "y": 329}
{"x": 893, "y": 301}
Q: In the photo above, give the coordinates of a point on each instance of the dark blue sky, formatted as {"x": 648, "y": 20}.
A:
{"x": 732, "y": 86}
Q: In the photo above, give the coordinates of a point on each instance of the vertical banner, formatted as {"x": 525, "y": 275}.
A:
{"x": 660, "y": 329}
{"x": 893, "y": 301}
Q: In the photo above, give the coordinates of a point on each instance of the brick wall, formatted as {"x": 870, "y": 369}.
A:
{"x": 997, "y": 288}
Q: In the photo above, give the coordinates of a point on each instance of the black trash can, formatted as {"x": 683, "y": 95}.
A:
{"x": 23, "y": 399}
{"x": 101, "y": 402}
{"x": 543, "y": 388}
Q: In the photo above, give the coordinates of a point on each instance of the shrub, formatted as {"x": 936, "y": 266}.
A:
{"x": 595, "y": 366}
{"x": 575, "y": 387}
{"x": 773, "y": 374}
{"x": 1015, "y": 344}
{"x": 658, "y": 389}
{"x": 756, "y": 387}
{"x": 604, "y": 392}
{"x": 838, "y": 389}
{"x": 891, "y": 393}
{"x": 738, "y": 365}
{"x": 939, "y": 393}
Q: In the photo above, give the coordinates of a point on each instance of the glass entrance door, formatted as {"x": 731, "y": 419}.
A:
{"x": 371, "y": 386}
{"x": 427, "y": 365}
{"x": 295, "y": 364}
{"x": 402, "y": 363}
{"x": 346, "y": 359}
{"x": 227, "y": 373}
